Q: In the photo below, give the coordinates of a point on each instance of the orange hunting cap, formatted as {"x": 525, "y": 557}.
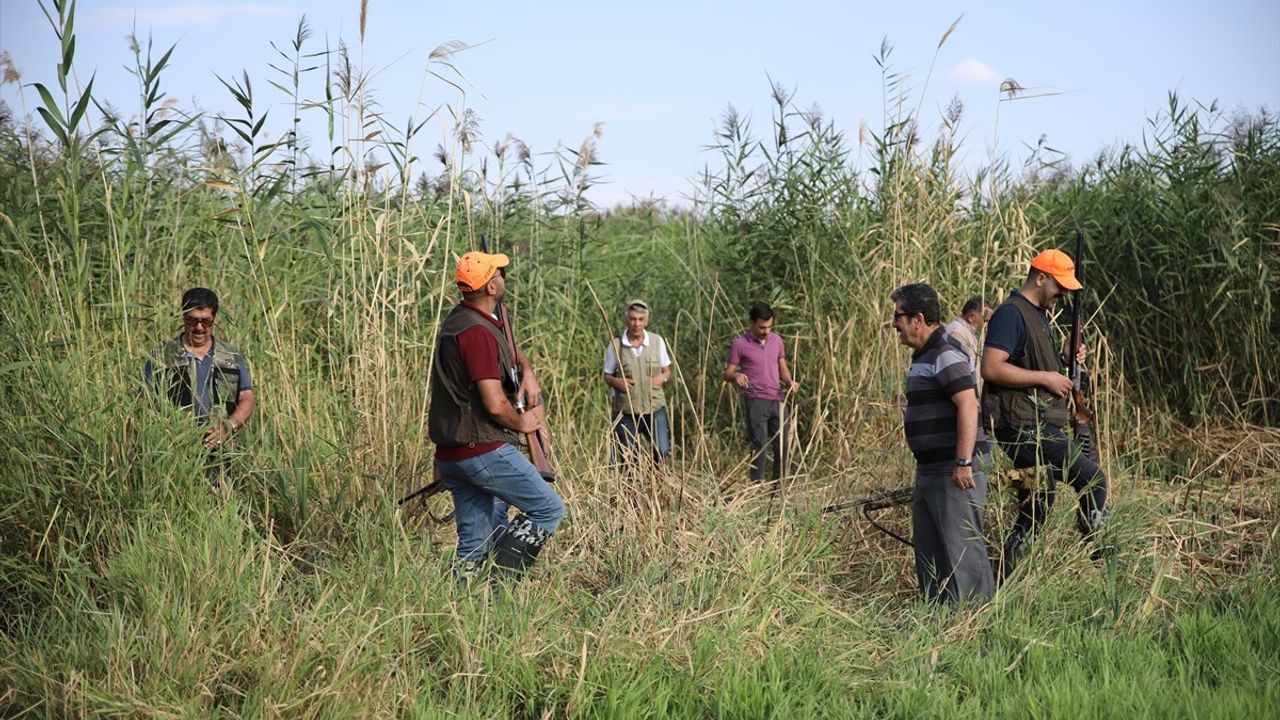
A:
{"x": 477, "y": 268}
{"x": 1059, "y": 265}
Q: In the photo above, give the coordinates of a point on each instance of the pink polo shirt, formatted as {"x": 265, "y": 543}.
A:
{"x": 760, "y": 363}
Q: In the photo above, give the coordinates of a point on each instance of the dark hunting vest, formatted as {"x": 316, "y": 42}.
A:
{"x": 1012, "y": 407}
{"x": 176, "y": 375}
{"x": 457, "y": 415}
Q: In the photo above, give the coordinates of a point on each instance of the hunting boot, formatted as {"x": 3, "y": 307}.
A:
{"x": 1015, "y": 548}
{"x": 518, "y": 547}
{"x": 1092, "y": 525}
{"x": 467, "y": 573}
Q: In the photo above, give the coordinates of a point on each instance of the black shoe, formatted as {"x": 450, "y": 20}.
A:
{"x": 1093, "y": 529}
{"x": 1015, "y": 548}
{"x": 468, "y": 573}
{"x": 1102, "y": 551}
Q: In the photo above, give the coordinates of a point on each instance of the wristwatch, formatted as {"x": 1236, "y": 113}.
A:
{"x": 964, "y": 462}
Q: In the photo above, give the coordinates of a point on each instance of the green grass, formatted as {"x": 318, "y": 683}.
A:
{"x": 130, "y": 587}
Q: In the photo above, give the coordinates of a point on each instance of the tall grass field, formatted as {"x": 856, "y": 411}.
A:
{"x": 130, "y": 586}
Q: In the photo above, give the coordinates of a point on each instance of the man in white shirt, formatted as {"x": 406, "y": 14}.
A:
{"x": 636, "y": 366}
{"x": 966, "y": 328}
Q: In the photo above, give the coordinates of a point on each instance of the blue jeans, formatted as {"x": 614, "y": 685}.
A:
{"x": 655, "y": 427}
{"x": 479, "y": 483}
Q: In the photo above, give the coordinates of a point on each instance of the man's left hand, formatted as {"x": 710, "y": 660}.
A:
{"x": 216, "y": 435}
{"x": 1081, "y": 353}
{"x": 963, "y": 477}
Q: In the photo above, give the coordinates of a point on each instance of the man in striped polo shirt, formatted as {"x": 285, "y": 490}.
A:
{"x": 941, "y": 425}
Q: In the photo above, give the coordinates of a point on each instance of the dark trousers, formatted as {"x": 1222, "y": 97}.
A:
{"x": 764, "y": 431}
{"x": 946, "y": 529}
{"x": 1047, "y": 445}
{"x": 634, "y": 434}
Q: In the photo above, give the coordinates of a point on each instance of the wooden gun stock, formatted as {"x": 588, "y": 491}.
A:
{"x": 538, "y": 442}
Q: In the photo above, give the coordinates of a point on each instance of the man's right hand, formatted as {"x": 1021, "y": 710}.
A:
{"x": 1057, "y": 383}
{"x": 742, "y": 381}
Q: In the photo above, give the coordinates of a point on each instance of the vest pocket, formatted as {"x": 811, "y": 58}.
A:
{"x": 224, "y": 387}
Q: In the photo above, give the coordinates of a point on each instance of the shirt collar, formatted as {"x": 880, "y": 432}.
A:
{"x": 491, "y": 318}
{"x": 1032, "y": 304}
{"x": 934, "y": 339}
{"x": 644, "y": 342}
{"x": 213, "y": 342}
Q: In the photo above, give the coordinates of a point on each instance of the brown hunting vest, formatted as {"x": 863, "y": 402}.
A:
{"x": 457, "y": 415}
{"x": 643, "y": 398}
{"x": 1012, "y": 407}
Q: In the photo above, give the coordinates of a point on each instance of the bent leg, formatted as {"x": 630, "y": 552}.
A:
{"x": 508, "y": 475}
{"x": 1072, "y": 463}
{"x": 1027, "y": 448}
{"x": 473, "y": 512}
{"x": 1091, "y": 483}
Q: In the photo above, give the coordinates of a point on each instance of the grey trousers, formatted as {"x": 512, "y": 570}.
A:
{"x": 946, "y": 527}
{"x": 764, "y": 429}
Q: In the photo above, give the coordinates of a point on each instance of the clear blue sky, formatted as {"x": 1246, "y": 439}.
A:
{"x": 658, "y": 74}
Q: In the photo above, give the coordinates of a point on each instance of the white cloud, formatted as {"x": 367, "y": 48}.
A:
{"x": 187, "y": 14}
{"x": 974, "y": 71}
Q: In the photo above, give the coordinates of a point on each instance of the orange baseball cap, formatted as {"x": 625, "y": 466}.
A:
{"x": 1059, "y": 265}
{"x": 477, "y": 268}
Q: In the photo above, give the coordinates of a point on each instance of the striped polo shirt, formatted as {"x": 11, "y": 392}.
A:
{"x": 938, "y": 370}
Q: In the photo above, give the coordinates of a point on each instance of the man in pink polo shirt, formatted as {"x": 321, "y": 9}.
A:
{"x": 758, "y": 365}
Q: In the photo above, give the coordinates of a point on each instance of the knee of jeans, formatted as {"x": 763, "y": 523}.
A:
{"x": 551, "y": 514}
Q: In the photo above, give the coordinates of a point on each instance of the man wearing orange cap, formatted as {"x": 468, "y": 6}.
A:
{"x": 1025, "y": 401}
{"x": 475, "y": 422}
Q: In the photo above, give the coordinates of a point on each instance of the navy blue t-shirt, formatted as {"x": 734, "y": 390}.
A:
{"x": 1007, "y": 332}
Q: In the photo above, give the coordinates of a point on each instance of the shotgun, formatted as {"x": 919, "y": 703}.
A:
{"x": 1081, "y": 390}
{"x": 879, "y": 501}
{"x": 537, "y": 442}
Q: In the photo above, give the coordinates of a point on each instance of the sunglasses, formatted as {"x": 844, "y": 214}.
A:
{"x": 194, "y": 321}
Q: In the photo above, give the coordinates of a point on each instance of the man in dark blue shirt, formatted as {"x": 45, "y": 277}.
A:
{"x": 1025, "y": 401}
{"x": 206, "y": 376}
